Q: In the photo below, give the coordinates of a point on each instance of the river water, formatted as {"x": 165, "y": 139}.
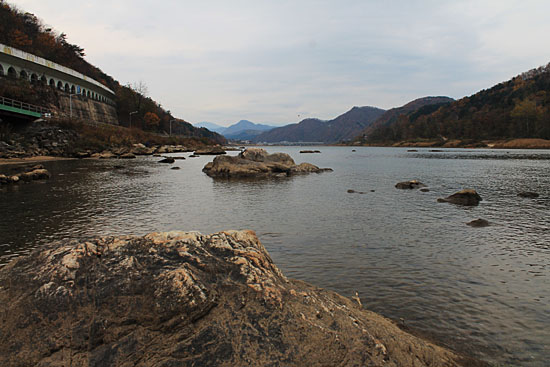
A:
{"x": 482, "y": 291}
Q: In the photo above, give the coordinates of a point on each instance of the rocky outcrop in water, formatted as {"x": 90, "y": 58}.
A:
{"x": 409, "y": 185}
{"x": 215, "y": 150}
{"x": 37, "y": 172}
{"x": 186, "y": 299}
{"x": 468, "y": 197}
{"x": 167, "y": 160}
{"x": 257, "y": 163}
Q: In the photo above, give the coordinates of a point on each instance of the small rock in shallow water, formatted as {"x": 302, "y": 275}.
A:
{"x": 424, "y": 189}
{"x": 175, "y": 168}
{"x": 478, "y": 223}
{"x": 127, "y": 156}
{"x": 468, "y": 197}
{"x": 409, "y": 185}
{"x": 528, "y": 194}
{"x": 167, "y": 160}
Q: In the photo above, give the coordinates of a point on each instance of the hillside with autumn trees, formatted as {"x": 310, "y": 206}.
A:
{"x": 518, "y": 108}
{"x": 25, "y": 31}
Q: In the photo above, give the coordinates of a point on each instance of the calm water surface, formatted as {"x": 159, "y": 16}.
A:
{"x": 483, "y": 291}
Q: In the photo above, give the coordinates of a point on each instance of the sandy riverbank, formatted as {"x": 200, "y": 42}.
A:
{"x": 36, "y": 159}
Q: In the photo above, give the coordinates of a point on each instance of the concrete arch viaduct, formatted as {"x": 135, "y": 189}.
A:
{"x": 18, "y": 64}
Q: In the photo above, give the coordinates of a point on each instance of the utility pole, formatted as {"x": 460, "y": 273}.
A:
{"x": 171, "y": 125}
{"x": 132, "y": 113}
{"x": 71, "y": 104}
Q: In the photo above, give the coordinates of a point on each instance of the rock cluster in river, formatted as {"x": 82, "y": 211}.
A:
{"x": 37, "y": 172}
{"x": 186, "y": 299}
{"x": 257, "y": 163}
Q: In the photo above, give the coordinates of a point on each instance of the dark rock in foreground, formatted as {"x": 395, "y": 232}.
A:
{"x": 409, "y": 185}
{"x": 468, "y": 197}
{"x": 528, "y": 194}
{"x": 478, "y": 223}
{"x": 256, "y": 163}
{"x": 186, "y": 299}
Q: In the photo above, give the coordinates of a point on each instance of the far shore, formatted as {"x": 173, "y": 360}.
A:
{"x": 485, "y": 144}
{"x": 526, "y": 143}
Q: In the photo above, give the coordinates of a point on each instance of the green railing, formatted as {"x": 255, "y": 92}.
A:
{"x": 12, "y": 105}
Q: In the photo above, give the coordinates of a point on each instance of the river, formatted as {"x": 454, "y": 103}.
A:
{"x": 481, "y": 291}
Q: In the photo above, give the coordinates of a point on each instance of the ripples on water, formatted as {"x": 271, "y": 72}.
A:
{"x": 484, "y": 291}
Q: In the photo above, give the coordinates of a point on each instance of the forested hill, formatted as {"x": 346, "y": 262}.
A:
{"x": 27, "y": 32}
{"x": 518, "y": 108}
{"x": 391, "y": 116}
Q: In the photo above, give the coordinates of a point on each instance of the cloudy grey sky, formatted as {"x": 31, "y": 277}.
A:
{"x": 270, "y": 61}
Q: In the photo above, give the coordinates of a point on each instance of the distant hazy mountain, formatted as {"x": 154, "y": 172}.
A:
{"x": 211, "y": 126}
{"x": 245, "y": 130}
{"x": 343, "y": 127}
{"x": 246, "y": 125}
{"x": 244, "y": 135}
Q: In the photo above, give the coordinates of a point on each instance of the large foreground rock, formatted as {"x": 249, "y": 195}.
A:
{"x": 186, "y": 299}
{"x": 257, "y": 163}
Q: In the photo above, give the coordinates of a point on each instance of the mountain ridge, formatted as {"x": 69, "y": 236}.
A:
{"x": 515, "y": 109}
{"x": 343, "y": 127}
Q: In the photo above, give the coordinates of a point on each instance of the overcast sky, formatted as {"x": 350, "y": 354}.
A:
{"x": 272, "y": 61}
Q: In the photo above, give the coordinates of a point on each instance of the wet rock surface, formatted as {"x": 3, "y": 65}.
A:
{"x": 257, "y": 163}
{"x": 186, "y": 299}
{"x": 467, "y": 197}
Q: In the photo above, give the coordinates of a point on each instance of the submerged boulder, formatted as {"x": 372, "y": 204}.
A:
{"x": 409, "y": 185}
{"x": 478, "y": 223}
{"x": 186, "y": 299}
{"x": 468, "y": 197}
{"x": 257, "y": 163}
{"x": 528, "y": 194}
{"x": 167, "y": 160}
